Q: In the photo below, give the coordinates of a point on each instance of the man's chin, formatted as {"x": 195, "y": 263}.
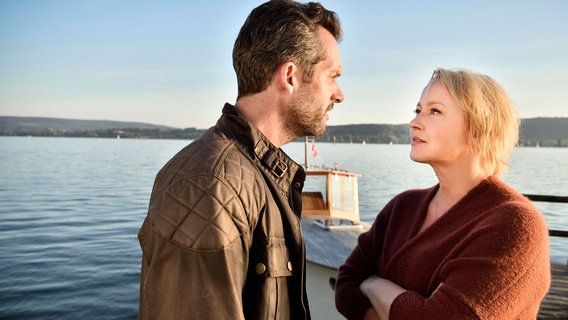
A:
{"x": 320, "y": 131}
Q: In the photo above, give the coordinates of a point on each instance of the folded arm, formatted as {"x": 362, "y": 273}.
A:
{"x": 381, "y": 292}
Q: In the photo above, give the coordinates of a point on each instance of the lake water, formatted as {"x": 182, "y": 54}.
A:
{"x": 71, "y": 209}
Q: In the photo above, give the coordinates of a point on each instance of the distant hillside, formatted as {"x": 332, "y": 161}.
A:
{"x": 544, "y": 132}
{"x": 542, "y": 129}
{"x": 368, "y": 133}
{"x": 551, "y": 132}
{"x": 38, "y": 124}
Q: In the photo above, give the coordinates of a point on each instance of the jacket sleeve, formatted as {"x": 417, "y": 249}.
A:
{"x": 502, "y": 273}
{"x": 195, "y": 252}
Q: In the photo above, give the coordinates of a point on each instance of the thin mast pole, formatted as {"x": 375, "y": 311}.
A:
{"x": 306, "y": 151}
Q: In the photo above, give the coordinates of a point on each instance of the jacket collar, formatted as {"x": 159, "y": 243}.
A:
{"x": 276, "y": 164}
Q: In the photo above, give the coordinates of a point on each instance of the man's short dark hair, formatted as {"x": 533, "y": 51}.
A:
{"x": 279, "y": 31}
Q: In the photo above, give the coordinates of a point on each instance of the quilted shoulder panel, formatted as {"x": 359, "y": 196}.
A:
{"x": 199, "y": 213}
{"x": 207, "y": 196}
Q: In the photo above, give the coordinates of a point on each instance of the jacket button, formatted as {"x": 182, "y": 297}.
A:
{"x": 260, "y": 268}
{"x": 290, "y": 265}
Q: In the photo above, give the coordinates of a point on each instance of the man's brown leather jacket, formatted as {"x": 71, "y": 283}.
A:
{"x": 222, "y": 239}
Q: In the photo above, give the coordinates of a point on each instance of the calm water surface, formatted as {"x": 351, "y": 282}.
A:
{"x": 71, "y": 208}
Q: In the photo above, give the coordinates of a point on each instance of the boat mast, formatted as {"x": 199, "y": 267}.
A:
{"x": 306, "y": 151}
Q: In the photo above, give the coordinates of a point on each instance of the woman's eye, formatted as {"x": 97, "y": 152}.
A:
{"x": 434, "y": 111}
{"x": 417, "y": 111}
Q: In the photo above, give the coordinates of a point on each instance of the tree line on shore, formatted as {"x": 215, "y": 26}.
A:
{"x": 543, "y": 132}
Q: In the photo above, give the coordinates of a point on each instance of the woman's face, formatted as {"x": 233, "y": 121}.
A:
{"x": 439, "y": 131}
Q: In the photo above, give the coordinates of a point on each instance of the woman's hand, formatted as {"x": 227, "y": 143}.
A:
{"x": 371, "y": 314}
{"x": 381, "y": 292}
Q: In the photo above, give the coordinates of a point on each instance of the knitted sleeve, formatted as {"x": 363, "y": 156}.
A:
{"x": 361, "y": 264}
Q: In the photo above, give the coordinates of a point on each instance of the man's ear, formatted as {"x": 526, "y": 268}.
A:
{"x": 288, "y": 74}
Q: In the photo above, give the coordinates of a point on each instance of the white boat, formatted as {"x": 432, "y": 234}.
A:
{"x": 330, "y": 225}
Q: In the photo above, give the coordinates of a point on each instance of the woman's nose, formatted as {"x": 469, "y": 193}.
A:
{"x": 415, "y": 123}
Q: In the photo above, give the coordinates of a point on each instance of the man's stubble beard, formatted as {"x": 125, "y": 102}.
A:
{"x": 303, "y": 118}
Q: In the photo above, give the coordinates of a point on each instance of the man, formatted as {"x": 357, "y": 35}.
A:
{"x": 222, "y": 239}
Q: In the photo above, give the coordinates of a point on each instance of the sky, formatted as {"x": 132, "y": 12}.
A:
{"x": 169, "y": 62}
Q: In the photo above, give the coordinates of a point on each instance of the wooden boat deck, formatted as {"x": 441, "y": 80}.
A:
{"x": 328, "y": 249}
{"x": 555, "y": 304}
{"x": 339, "y": 244}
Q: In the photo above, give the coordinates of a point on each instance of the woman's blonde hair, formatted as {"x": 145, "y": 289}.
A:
{"x": 492, "y": 120}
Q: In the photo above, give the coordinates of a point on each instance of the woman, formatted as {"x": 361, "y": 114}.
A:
{"x": 470, "y": 247}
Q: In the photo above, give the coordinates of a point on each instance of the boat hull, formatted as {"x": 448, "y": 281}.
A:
{"x": 320, "y": 294}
